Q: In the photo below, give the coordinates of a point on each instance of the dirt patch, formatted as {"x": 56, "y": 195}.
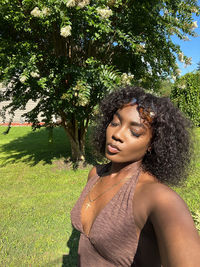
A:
{"x": 67, "y": 164}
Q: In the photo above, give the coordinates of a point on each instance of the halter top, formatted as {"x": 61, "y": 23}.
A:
{"x": 112, "y": 240}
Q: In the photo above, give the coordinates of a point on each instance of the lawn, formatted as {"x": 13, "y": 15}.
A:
{"x": 37, "y": 194}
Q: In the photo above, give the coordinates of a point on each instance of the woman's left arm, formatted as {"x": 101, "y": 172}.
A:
{"x": 178, "y": 239}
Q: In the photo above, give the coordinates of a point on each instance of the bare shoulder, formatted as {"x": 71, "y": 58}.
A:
{"x": 164, "y": 202}
{"x": 157, "y": 195}
{"x": 173, "y": 225}
{"x": 152, "y": 197}
{"x": 92, "y": 172}
{"x": 162, "y": 195}
{"x": 97, "y": 170}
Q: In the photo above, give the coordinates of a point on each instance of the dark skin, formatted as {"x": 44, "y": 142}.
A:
{"x": 128, "y": 137}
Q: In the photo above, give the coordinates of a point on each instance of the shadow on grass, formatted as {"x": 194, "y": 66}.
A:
{"x": 35, "y": 147}
{"x": 71, "y": 259}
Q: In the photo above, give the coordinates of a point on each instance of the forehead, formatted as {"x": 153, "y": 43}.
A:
{"x": 130, "y": 113}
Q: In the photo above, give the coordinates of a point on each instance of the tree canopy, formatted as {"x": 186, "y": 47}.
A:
{"x": 66, "y": 54}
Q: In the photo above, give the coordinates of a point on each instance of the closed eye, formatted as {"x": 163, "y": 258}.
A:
{"x": 135, "y": 134}
{"x": 112, "y": 123}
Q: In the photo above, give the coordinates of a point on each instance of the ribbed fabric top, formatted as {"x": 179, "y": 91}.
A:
{"x": 112, "y": 240}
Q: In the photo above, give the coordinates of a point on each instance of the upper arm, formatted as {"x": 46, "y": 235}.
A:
{"x": 92, "y": 172}
{"x": 99, "y": 169}
{"x": 178, "y": 239}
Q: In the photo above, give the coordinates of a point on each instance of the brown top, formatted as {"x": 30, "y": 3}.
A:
{"x": 112, "y": 240}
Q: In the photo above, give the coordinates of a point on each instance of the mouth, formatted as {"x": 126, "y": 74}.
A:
{"x": 113, "y": 149}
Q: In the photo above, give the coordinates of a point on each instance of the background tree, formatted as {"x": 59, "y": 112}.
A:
{"x": 186, "y": 95}
{"x": 67, "y": 54}
{"x": 165, "y": 87}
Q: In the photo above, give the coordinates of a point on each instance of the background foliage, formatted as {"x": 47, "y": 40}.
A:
{"x": 186, "y": 95}
{"x": 68, "y": 54}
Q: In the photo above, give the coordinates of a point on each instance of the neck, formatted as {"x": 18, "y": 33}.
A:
{"x": 119, "y": 168}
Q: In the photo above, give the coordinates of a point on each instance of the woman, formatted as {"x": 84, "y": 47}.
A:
{"x": 127, "y": 214}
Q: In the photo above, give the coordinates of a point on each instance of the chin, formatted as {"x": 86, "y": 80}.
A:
{"x": 111, "y": 157}
{"x": 114, "y": 158}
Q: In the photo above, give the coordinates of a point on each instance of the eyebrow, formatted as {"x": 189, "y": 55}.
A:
{"x": 133, "y": 123}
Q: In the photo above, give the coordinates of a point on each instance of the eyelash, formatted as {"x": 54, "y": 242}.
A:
{"x": 135, "y": 134}
{"x": 114, "y": 124}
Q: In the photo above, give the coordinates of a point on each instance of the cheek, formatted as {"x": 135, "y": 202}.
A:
{"x": 108, "y": 132}
{"x": 139, "y": 148}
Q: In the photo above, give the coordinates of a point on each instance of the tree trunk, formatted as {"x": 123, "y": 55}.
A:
{"x": 77, "y": 149}
{"x": 50, "y": 134}
{"x": 76, "y": 132}
{"x": 76, "y": 135}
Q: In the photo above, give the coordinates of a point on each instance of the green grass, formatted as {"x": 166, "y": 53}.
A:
{"x": 36, "y": 198}
{"x": 190, "y": 191}
{"x": 37, "y": 194}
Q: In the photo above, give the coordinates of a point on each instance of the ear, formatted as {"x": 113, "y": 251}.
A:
{"x": 149, "y": 149}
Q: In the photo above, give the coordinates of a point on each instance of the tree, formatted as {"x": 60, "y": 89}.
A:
{"x": 165, "y": 87}
{"x": 68, "y": 53}
{"x": 186, "y": 95}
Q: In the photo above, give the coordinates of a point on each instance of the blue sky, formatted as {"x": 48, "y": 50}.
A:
{"x": 190, "y": 48}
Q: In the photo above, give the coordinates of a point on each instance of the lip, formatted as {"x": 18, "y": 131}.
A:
{"x": 113, "y": 148}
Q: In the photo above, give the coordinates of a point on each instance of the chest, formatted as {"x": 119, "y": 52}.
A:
{"x": 99, "y": 197}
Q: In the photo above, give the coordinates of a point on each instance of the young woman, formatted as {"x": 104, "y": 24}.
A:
{"x": 127, "y": 214}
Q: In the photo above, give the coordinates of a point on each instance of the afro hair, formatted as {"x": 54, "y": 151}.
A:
{"x": 171, "y": 146}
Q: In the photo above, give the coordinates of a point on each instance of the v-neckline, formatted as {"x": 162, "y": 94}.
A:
{"x": 82, "y": 230}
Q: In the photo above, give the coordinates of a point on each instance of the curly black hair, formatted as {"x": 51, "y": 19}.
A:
{"x": 171, "y": 145}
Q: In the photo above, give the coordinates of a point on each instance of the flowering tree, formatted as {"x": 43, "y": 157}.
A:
{"x": 66, "y": 54}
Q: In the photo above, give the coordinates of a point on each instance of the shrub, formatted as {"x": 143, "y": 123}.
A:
{"x": 186, "y": 95}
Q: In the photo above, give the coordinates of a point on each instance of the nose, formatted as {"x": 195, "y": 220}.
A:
{"x": 118, "y": 135}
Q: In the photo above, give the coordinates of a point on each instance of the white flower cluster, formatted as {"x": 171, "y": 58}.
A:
{"x": 182, "y": 86}
{"x": 188, "y": 61}
{"x": 65, "y": 31}
{"x": 82, "y": 101}
{"x": 178, "y": 72}
{"x": 166, "y": 12}
{"x": 185, "y": 38}
{"x": 194, "y": 25}
{"x": 79, "y": 85}
{"x": 194, "y": 10}
{"x": 36, "y": 12}
{"x": 45, "y": 11}
{"x": 181, "y": 57}
{"x": 84, "y": 3}
{"x": 141, "y": 48}
{"x": 126, "y": 79}
{"x": 71, "y": 3}
{"x": 79, "y": 91}
{"x": 81, "y": 4}
{"x": 105, "y": 13}
{"x": 35, "y": 74}
{"x": 173, "y": 78}
{"x": 22, "y": 78}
